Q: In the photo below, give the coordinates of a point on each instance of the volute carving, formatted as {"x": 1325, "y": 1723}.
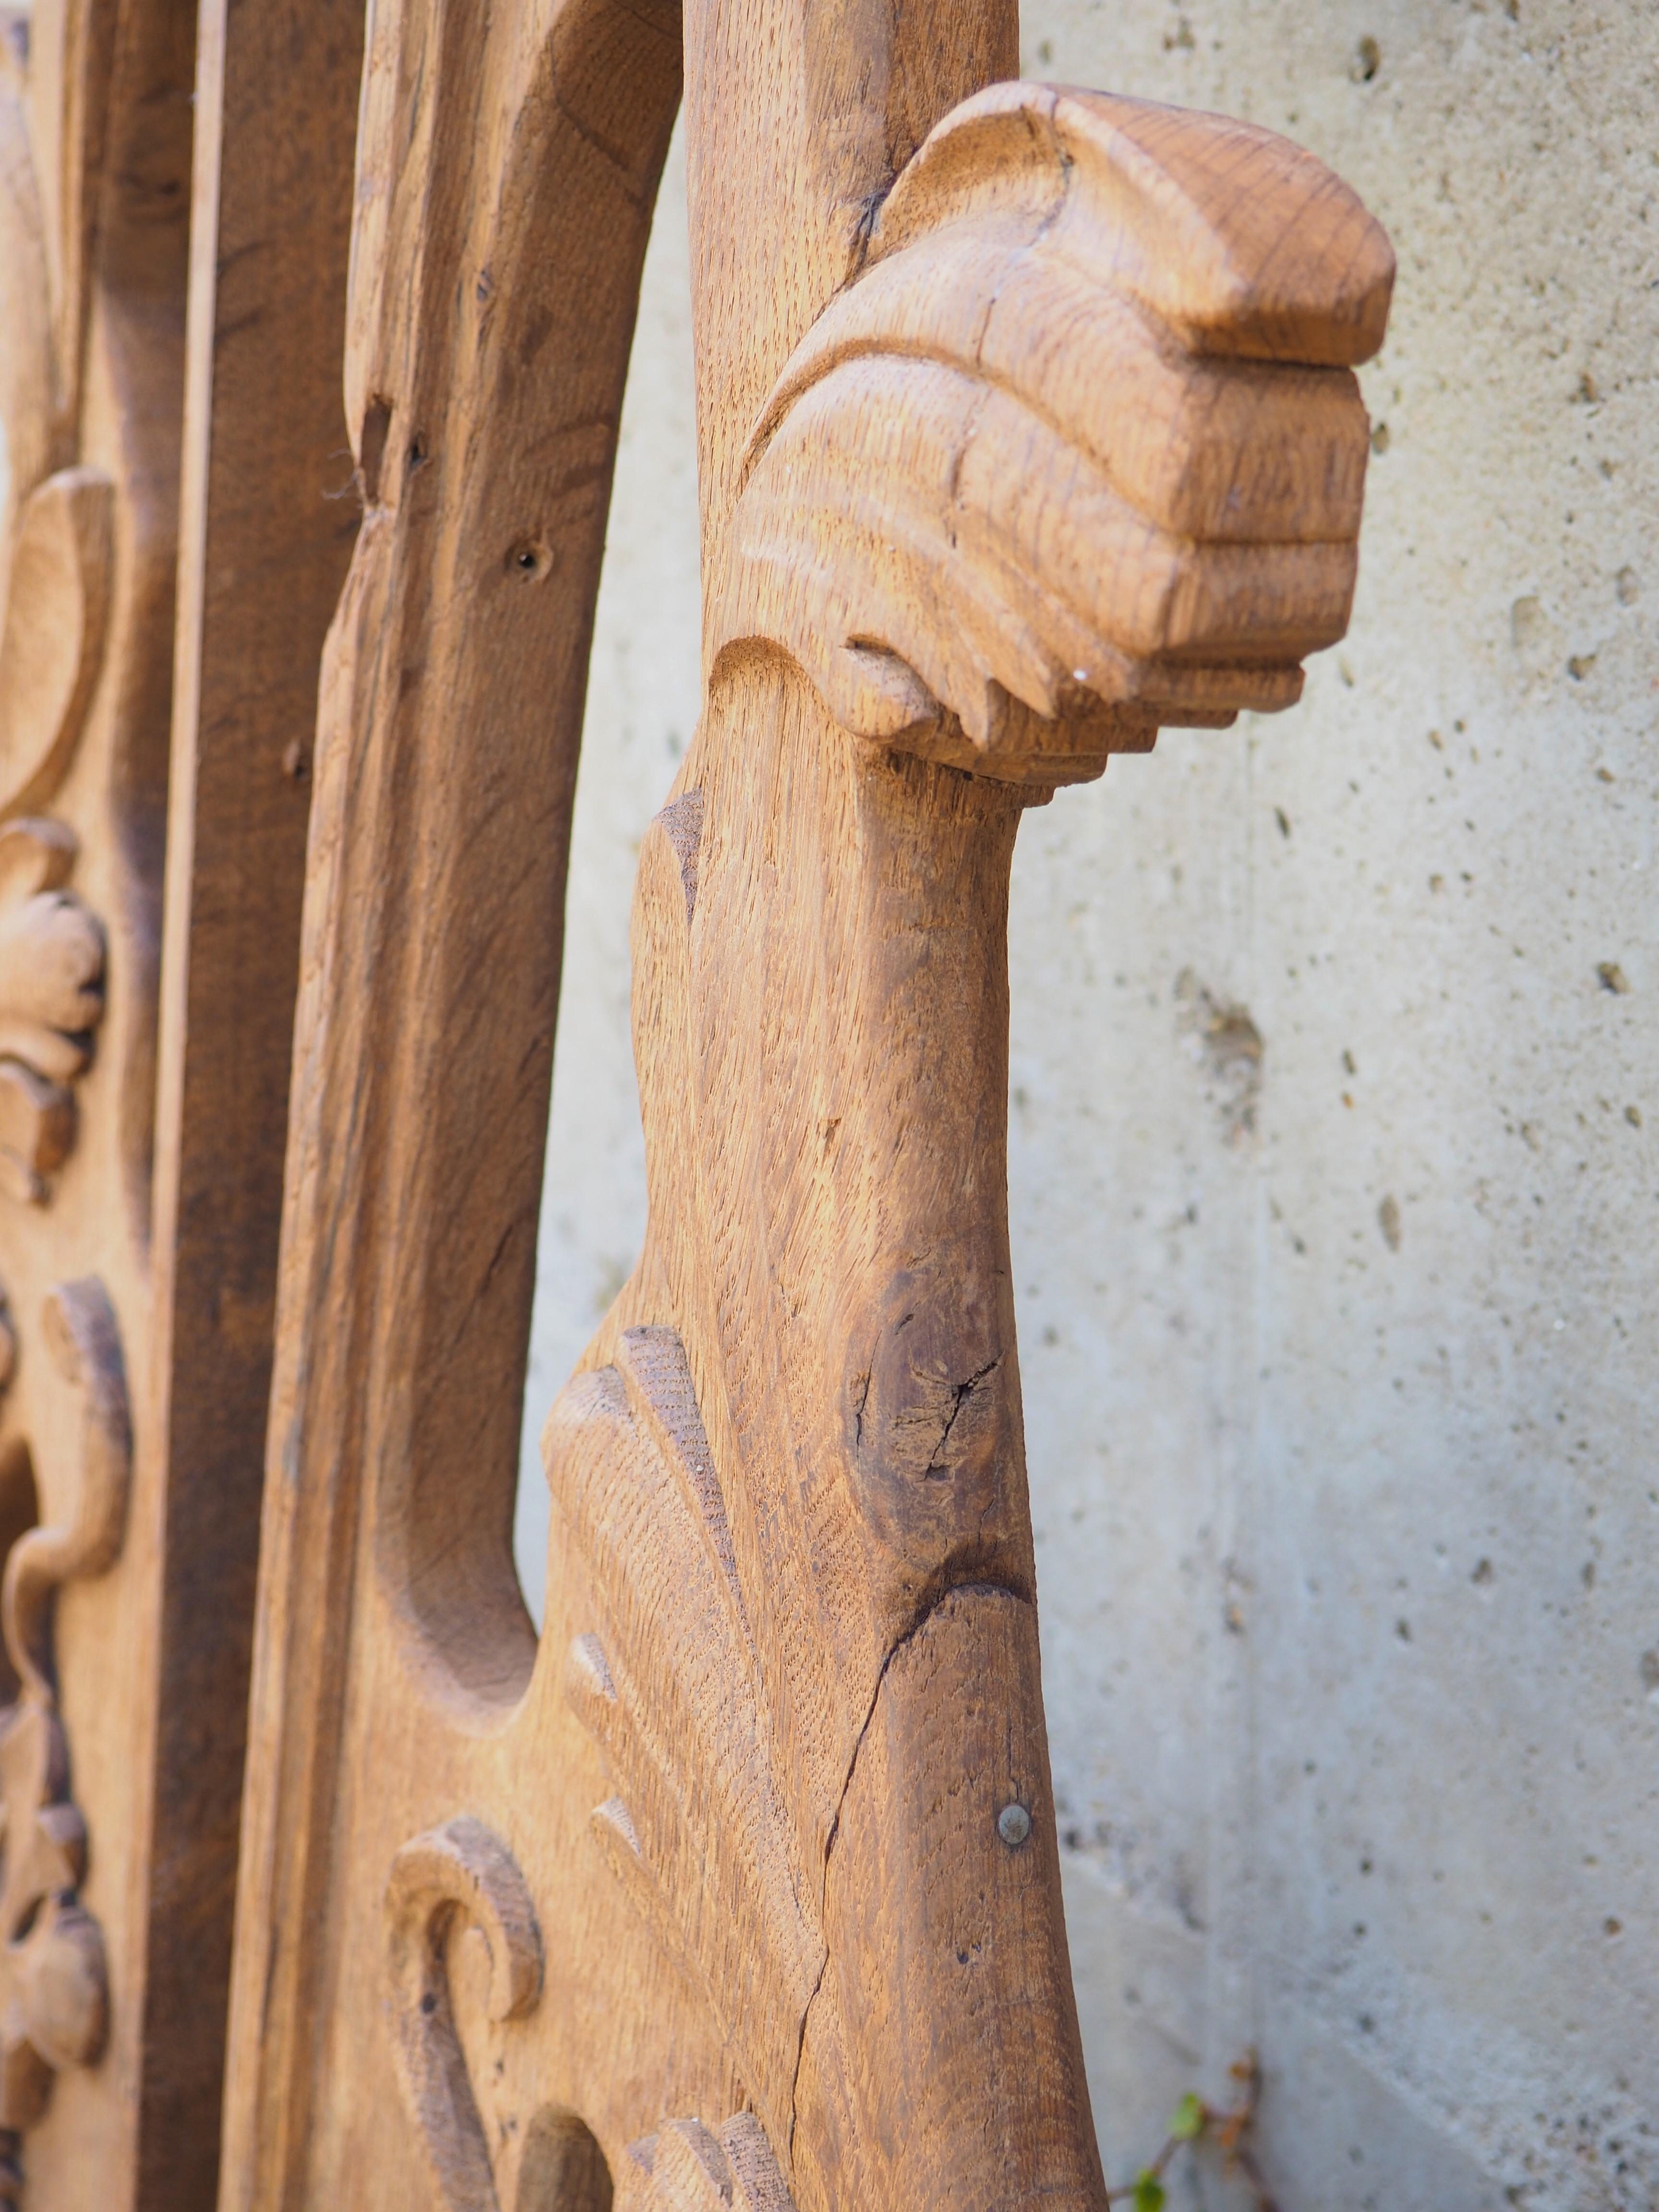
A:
{"x": 460, "y": 1874}
{"x": 1026, "y": 424}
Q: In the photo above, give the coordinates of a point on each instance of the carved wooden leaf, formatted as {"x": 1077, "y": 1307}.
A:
{"x": 698, "y": 1832}
{"x": 53, "y": 638}
{"x": 1082, "y": 435}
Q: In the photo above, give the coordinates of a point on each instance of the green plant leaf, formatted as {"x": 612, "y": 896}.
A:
{"x": 1149, "y": 2192}
{"x": 1187, "y": 2121}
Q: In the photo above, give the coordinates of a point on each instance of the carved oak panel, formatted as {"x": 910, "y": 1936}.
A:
{"x": 1027, "y": 424}
{"x": 151, "y": 852}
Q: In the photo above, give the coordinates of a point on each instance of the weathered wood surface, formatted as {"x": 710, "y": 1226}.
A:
{"x": 1025, "y": 423}
{"x": 144, "y": 1032}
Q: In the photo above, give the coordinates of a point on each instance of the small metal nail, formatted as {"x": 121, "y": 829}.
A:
{"x": 1013, "y": 1825}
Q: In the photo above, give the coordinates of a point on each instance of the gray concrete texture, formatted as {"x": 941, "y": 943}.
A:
{"x": 1335, "y": 1176}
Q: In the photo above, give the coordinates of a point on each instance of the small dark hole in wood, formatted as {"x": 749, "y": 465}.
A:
{"x": 530, "y": 561}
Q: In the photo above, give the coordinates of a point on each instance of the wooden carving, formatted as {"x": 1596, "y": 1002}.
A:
{"x": 54, "y": 1998}
{"x": 1026, "y": 423}
{"x": 51, "y": 999}
{"x": 94, "y": 146}
{"x": 170, "y": 339}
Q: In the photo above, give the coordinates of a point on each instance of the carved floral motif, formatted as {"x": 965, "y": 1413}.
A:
{"x": 51, "y": 999}
{"x": 57, "y": 575}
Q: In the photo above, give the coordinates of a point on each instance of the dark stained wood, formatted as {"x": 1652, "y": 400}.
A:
{"x": 270, "y": 518}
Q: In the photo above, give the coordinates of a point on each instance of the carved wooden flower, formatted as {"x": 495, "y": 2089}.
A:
{"x": 51, "y": 999}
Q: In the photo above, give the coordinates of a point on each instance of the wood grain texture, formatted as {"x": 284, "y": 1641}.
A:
{"x": 506, "y": 167}
{"x": 145, "y": 1034}
{"x": 94, "y": 160}
{"x": 1015, "y": 476}
{"x": 1025, "y": 423}
{"x": 268, "y": 520}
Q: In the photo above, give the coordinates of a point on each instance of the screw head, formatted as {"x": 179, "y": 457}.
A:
{"x": 1013, "y": 1825}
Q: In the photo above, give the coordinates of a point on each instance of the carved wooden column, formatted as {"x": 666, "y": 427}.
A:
{"x": 1026, "y": 423}
{"x": 151, "y": 859}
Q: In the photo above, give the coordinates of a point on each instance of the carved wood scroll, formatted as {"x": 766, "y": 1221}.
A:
{"x": 94, "y": 162}
{"x": 1026, "y": 423}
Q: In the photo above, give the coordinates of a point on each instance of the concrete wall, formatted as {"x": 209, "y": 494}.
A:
{"x": 1334, "y": 1176}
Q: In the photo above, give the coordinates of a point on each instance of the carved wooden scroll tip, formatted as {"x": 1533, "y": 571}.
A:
{"x": 460, "y": 1873}
{"x": 1079, "y": 452}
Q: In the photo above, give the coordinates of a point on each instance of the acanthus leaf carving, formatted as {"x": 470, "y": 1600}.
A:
{"x": 57, "y": 527}
{"x": 1079, "y": 451}
{"x": 53, "y": 644}
{"x": 687, "y": 2167}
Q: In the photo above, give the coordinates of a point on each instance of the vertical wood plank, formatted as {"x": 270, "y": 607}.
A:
{"x": 270, "y": 515}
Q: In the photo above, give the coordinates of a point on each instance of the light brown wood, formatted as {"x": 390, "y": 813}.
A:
{"x": 151, "y": 860}
{"x": 1026, "y": 422}
{"x": 94, "y": 153}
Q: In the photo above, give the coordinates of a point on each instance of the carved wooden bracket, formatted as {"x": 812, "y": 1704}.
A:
{"x": 175, "y": 198}
{"x": 1026, "y": 423}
